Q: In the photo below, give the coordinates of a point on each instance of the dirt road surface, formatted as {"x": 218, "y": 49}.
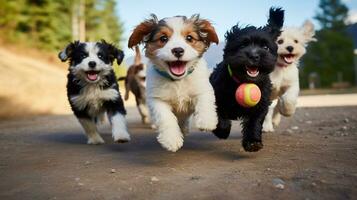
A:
{"x": 311, "y": 156}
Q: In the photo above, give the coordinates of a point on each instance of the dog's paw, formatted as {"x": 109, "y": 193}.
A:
{"x": 170, "y": 141}
{"x": 206, "y": 122}
{"x": 286, "y": 107}
{"x": 95, "y": 140}
{"x": 145, "y": 120}
{"x": 153, "y": 126}
{"x": 121, "y": 136}
{"x": 268, "y": 127}
{"x": 252, "y": 146}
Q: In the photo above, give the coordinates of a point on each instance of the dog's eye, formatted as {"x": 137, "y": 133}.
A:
{"x": 100, "y": 55}
{"x": 280, "y": 41}
{"x": 83, "y": 55}
{"x": 164, "y": 39}
{"x": 296, "y": 41}
{"x": 266, "y": 47}
{"x": 189, "y": 38}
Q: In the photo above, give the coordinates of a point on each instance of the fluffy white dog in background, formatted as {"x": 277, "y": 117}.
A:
{"x": 177, "y": 76}
{"x": 285, "y": 78}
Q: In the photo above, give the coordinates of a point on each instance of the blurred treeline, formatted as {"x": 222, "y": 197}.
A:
{"x": 50, "y": 24}
{"x": 330, "y": 60}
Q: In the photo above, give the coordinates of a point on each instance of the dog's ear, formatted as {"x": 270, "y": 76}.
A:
{"x": 275, "y": 21}
{"x": 206, "y": 30}
{"x": 142, "y": 30}
{"x": 309, "y": 31}
{"x": 67, "y": 52}
{"x": 114, "y": 52}
{"x": 232, "y": 33}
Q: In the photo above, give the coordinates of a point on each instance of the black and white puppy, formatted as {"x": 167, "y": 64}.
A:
{"x": 92, "y": 88}
{"x": 249, "y": 56}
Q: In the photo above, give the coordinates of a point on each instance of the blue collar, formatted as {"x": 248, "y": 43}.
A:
{"x": 167, "y": 75}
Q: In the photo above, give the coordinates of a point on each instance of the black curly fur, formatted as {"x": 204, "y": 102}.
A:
{"x": 250, "y": 47}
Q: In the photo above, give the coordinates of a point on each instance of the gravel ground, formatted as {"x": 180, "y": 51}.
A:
{"x": 311, "y": 156}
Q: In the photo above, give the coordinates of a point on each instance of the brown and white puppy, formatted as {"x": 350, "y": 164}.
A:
{"x": 135, "y": 83}
{"x": 177, "y": 85}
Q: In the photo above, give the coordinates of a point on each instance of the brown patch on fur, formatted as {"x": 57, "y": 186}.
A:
{"x": 156, "y": 43}
{"x": 196, "y": 42}
{"x": 206, "y": 27}
{"x": 142, "y": 30}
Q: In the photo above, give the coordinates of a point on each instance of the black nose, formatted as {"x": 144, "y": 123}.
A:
{"x": 178, "y": 52}
{"x": 254, "y": 56}
{"x": 92, "y": 64}
{"x": 290, "y": 49}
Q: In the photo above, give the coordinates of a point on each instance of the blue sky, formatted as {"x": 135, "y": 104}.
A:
{"x": 224, "y": 13}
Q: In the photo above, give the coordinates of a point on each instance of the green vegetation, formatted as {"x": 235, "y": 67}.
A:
{"x": 331, "y": 57}
{"x": 48, "y": 24}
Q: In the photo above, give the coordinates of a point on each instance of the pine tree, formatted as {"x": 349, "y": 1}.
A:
{"x": 47, "y": 24}
{"x": 332, "y": 55}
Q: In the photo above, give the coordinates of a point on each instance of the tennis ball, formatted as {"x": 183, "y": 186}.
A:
{"x": 248, "y": 95}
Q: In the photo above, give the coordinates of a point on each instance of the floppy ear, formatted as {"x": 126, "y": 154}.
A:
{"x": 275, "y": 21}
{"x": 67, "y": 52}
{"x": 309, "y": 31}
{"x": 142, "y": 30}
{"x": 206, "y": 30}
{"x": 114, "y": 52}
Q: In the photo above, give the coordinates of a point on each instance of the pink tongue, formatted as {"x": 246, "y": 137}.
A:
{"x": 289, "y": 59}
{"x": 253, "y": 71}
{"x": 92, "y": 77}
{"x": 177, "y": 68}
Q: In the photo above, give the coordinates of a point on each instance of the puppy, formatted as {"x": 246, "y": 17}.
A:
{"x": 92, "y": 88}
{"x": 135, "y": 83}
{"x": 285, "y": 78}
{"x": 249, "y": 56}
{"x": 177, "y": 76}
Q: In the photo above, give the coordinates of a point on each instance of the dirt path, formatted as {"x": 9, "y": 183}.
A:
{"x": 314, "y": 154}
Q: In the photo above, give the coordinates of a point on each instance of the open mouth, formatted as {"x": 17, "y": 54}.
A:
{"x": 252, "y": 71}
{"x": 177, "y": 68}
{"x": 92, "y": 75}
{"x": 288, "y": 58}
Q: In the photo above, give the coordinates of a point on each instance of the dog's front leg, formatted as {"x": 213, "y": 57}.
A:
{"x": 252, "y": 131}
{"x": 268, "y": 121}
{"x": 170, "y": 136}
{"x": 287, "y": 102}
{"x": 90, "y": 129}
{"x": 116, "y": 114}
{"x": 205, "y": 111}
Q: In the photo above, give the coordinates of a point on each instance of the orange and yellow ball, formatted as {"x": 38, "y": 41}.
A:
{"x": 248, "y": 95}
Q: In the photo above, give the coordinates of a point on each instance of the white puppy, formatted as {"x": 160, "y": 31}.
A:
{"x": 177, "y": 76}
{"x": 285, "y": 78}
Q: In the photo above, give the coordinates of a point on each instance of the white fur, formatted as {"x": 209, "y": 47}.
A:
{"x": 119, "y": 128}
{"x": 170, "y": 101}
{"x": 93, "y": 96}
{"x": 285, "y": 77}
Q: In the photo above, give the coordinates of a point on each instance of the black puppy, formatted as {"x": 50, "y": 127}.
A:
{"x": 249, "y": 56}
{"x": 92, "y": 88}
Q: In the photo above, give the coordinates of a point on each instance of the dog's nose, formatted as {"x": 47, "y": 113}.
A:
{"x": 254, "y": 56}
{"x": 178, "y": 52}
{"x": 290, "y": 48}
{"x": 92, "y": 64}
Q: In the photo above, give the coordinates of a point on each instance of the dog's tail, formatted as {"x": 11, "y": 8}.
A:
{"x": 137, "y": 60}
